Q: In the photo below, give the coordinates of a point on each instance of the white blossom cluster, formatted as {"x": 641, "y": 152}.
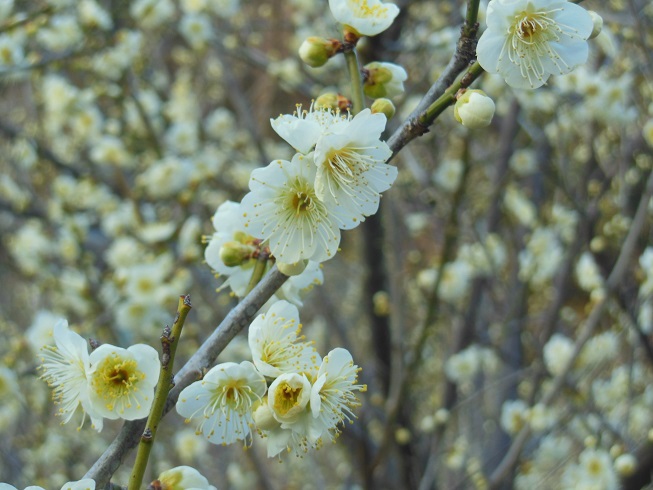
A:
{"x": 293, "y": 396}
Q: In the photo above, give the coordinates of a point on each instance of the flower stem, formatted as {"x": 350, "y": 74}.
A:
{"x": 357, "y": 97}
{"x": 169, "y": 341}
{"x": 449, "y": 96}
{"x": 259, "y": 270}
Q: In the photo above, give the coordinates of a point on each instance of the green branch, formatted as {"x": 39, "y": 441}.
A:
{"x": 357, "y": 97}
{"x": 449, "y": 97}
{"x": 169, "y": 341}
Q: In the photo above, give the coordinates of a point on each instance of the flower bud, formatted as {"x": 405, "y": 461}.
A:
{"x": 233, "y": 254}
{"x": 327, "y": 101}
{"x": 182, "y": 477}
{"x": 264, "y": 419}
{"x": 384, "y": 80}
{"x": 383, "y": 106}
{"x": 316, "y": 51}
{"x": 474, "y": 109}
{"x": 292, "y": 269}
{"x": 597, "y": 22}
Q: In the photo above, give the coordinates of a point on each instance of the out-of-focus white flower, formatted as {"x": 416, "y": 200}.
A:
{"x": 61, "y": 33}
{"x": 189, "y": 447}
{"x": 518, "y": 205}
{"x": 275, "y": 343}
{"x": 11, "y": 51}
{"x": 448, "y": 174}
{"x": 384, "y": 79}
{"x": 282, "y": 207}
{"x": 66, "y": 367}
{"x": 92, "y": 15}
{"x": 539, "y": 261}
{"x": 152, "y": 13}
{"x": 474, "y": 109}
{"x": 523, "y": 162}
{"x": 514, "y": 415}
{"x": 594, "y": 470}
{"x": 41, "y": 331}
{"x": 183, "y": 478}
{"x": 557, "y": 353}
{"x": 121, "y": 381}
{"x": 166, "y": 177}
{"x": 647, "y": 132}
{"x": 589, "y": 276}
{"x": 625, "y": 464}
{"x": 526, "y": 41}
{"x": 196, "y": 29}
{"x": 603, "y": 347}
{"x": 222, "y": 402}
{"x": 109, "y": 150}
{"x": 364, "y": 17}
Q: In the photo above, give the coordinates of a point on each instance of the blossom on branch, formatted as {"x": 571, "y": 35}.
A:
{"x": 222, "y": 401}
{"x": 365, "y": 17}
{"x": 65, "y": 368}
{"x": 526, "y": 41}
{"x": 282, "y": 207}
{"x": 121, "y": 381}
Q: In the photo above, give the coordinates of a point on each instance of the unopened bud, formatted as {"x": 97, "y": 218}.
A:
{"x": 597, "y": 22}
{"x": 292, "y": 269}
{"x": 383, "y": 106}
{"x": 263, "y": 417}
{"x": 474, "y": 109}
{"x": 233, "y": 254}
{"x": 316, "y": 51}
{"x": 626, "y": 464}
{"x": 384, "y": 80}
{"x": 327, "y": 101}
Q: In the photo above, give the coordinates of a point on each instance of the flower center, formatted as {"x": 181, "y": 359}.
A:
{"x": 286, "y": 398}
{"x": 301, "y": 201}
{"x": 363, "y": 9}
{"x": 116, "y": 377}
{"x": 531, "y": 26}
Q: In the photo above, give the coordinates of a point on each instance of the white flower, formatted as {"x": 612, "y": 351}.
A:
{"x": 85, "y": 484}
{"x": 183, "y": 478}
{"x": 275, "y": 343}
{"x": 196, "y": 29}
{"x": 288, "y": 398}
{"x": 351, "y": 168}
{"x": 366, "y": 17}
{"x": 303, "y": 129}
{"x": 231, "y": 243}
{"x": 557, "y": 353}
{"x": 279, "y": 437}
{"x": 223, "y": 401}
{"x": 65, "y": 368}
{"x": 349, "y": 154}
{"x": 514, "y": 415}
{"x": 122, "y": 381}
{"x": 283, "y": 208}
{"x": 526, "y": 41}
{"x": 332, "y": 393}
